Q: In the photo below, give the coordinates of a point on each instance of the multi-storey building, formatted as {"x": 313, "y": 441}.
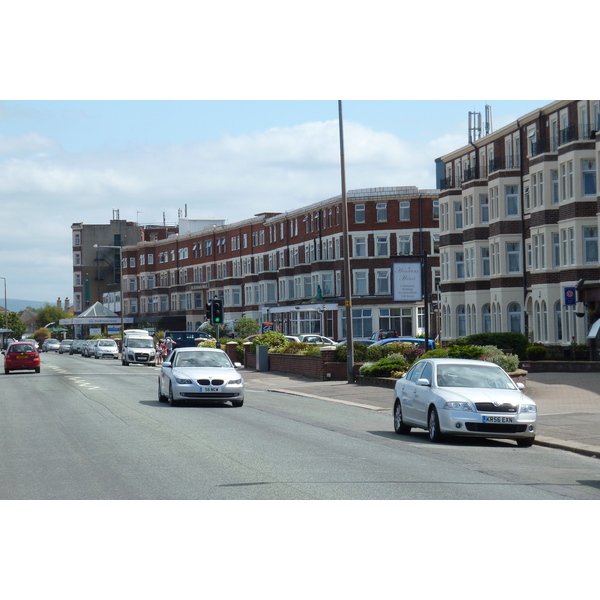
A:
{"x": 96, "y": 265}
{"x": 519, "y": 227}
{"x": 286, "y": 268}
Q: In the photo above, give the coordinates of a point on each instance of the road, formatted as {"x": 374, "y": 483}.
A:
{"x": 93, "y": 429}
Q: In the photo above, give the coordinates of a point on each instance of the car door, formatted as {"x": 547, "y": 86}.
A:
{"x": 422, "y": 396}
{"x": 408, "y": 391}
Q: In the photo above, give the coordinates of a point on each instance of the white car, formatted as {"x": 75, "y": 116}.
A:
{"x": 314, "y": 338}
{"x": 451, "y": 396}
{"x": 105, "y": 349}
{"x": 65, "y": 346}
{"x": 200, "y": 374}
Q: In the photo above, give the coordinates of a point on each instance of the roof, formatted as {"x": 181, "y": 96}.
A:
{"x": 98, "y": 310}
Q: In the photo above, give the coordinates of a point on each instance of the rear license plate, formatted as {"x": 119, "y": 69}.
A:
{"x": 495, "y": 419}
{"x": 21, "y": 356}
{"x": 209, "y": 389}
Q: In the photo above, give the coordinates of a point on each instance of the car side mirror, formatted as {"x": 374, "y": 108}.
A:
{"x": 167, "y": 364}
{"x": 424, "y": 382}
{"x": 237, "y": 365}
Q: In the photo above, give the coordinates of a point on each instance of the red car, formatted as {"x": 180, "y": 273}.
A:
{"x": 21, "y": 356}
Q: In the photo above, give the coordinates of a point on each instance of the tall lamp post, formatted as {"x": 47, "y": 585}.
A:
{"x": 120, "y": 249}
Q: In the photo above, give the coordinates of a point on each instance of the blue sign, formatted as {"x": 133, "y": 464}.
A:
{"x": 570, "y": 296}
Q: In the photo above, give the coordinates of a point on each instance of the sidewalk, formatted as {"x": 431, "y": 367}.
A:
{"x": 568, "y": 403}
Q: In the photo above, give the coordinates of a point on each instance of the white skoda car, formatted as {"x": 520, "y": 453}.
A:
{"x": 450, "y": 396}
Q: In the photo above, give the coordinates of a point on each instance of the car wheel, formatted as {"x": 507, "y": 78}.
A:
{"x": 237, "y": 403}
{"x": 161, "y": 396}
{"x": 124, "y": 363}
{"x": 525, "y": 442}
{"x": 6, "y": 371}
{"x": 172, "y": 401}
{"x": 400, "y": 426}
{"x": 37, "y": 370}
{"x": 434, "y": 426}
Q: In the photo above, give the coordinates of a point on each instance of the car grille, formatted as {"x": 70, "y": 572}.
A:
{"x": 209, "y": 382}
{"x": 495, "y": 427}
{"x": 489, "y": 407}
{"x": 141, "y": 357}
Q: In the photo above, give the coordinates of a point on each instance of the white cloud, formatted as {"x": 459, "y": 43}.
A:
{"x": 231, "y": 178}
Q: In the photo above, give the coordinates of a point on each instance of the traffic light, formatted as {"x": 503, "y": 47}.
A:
{"x": 217, "y": 311}
{"x": 208, "y": 314}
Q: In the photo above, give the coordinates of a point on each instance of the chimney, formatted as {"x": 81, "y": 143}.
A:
{"x": 59, "y": 304}
{"x": 67, "y": 304}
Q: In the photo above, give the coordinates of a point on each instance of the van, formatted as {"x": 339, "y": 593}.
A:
{"x": 138, "y": 348}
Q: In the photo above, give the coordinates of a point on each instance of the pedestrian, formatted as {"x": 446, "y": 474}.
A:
{"x": 169, "y": 343}
{"x": 159, "y": 354}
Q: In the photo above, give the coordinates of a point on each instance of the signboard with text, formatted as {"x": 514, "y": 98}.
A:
{"x": 570, "y": 296}
{"x": 406, "y": 282}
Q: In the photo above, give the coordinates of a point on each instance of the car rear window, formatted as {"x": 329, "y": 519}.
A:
{"x": 21, "y": 348}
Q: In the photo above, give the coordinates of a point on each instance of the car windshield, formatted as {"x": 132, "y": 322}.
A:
{"x": 201, "y": 359}
{"x": 141, "y": 343}
{"x": 178, "y": 336}
{"x": 107, "y": 343}
{"x": 473, "y": 377}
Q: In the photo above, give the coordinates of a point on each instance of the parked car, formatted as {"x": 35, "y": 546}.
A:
{"x": 313, "y": 338}
{"x": 420, "y": 342}
{"x": 200, "y": 374}
{"x": 50, "y": 345}
{"x": 106, "y": 349}
{"x": 65, "y": 346}
{"x": 383, "y": 334}
{"x": 88, "y": 350}
{"x": 21, "y": 356}
{"x": 452, "y": 396}
{"x": 76, "y": 347}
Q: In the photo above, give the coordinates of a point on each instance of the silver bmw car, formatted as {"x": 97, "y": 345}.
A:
{"x": 200, "y": 374}
{"x": 450, "y": 396}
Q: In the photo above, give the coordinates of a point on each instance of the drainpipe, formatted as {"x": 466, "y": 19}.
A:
{"x": 523, "y": 238}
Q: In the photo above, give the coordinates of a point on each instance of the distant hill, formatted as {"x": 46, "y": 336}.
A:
{"x": 19, "y": 305}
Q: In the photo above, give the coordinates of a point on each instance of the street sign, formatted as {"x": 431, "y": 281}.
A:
{"x": 570, "y": 296}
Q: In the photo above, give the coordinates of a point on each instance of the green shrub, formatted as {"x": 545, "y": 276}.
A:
{"x": 360, "y": 353}
{"x": 437, "y": 353}
{"x": 536, "y": 353}
{"x": 375, "y": 353}
{"x": 466, "y": 351}
{"x": 301, "y": 348}
{"x": 272, "y": 339}
{"x": 517, "y": 342}
{"x": 509, "y": 362}
{"x": 384, "y": 367}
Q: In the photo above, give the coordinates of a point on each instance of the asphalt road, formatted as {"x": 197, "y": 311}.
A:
{"x": 93, "y": 429}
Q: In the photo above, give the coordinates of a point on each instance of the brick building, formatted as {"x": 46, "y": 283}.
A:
{"x": 287, "y": 268}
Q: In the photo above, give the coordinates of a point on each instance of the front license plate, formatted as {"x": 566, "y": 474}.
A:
{"x": 495, "y": 419}
{"x": 209, "y": 389}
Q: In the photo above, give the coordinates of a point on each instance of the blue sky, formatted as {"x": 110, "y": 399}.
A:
{"x": 75, "y": 161}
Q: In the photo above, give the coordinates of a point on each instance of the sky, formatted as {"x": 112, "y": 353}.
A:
{"x": 64, "y": 162}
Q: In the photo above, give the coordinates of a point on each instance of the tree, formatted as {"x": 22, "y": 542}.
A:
{"x": 14, "y": 323}
{"x": 50, "y": 314}
{"x": 245, "y": 326}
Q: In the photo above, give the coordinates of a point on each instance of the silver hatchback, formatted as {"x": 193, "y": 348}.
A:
{"x": 105, "y": 349}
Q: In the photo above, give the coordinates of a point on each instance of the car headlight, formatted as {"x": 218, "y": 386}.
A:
{"x": 183, "y": 381}
{"x": 528, "y": 408}
{"x": 455, "y": 405}
{"x": 235, "y": 381}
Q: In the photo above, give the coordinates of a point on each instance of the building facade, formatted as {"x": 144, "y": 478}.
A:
{"x": 286, "y": 269}
{"x": 519, "y": 222}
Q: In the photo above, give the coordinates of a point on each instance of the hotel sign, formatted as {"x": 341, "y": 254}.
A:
{"x": 407, "y": 282}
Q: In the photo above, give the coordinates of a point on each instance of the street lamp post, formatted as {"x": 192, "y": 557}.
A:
{"x": 120, "y": 249}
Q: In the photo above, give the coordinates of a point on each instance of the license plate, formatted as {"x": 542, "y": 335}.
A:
{"x": 21, "y": 356}
{"x": 209, "y": 389}
{"x": 495, "y": 419}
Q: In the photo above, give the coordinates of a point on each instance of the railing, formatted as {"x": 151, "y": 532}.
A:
{"x": 447, "y": 183}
